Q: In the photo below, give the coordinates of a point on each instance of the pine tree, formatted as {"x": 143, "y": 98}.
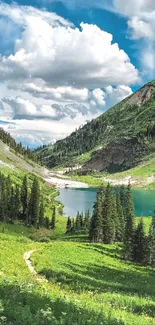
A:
{"x": 87, "y": 221}
{"x": 109, "y": 216}
{"x": 24, "y": 198}
{"x": 129, "y": 225}
{"x": 77, "y": 221}
{"x": 151, "y": 243}
{"x": 139, "y": 244}
{"x": 81, "y": 220}
{"x": 53, "y": 221}
{"x": 69, "y": 225}
{"x": 73, "y": 226}
{"x": 151, "y": 247}
{"x": 34, "y": 203}
{"x": 96, "y": 224}
{"x": 123, "y": 198}
{"x": 17, "y": 202}
{"x": 41, "y": 213}
{"x": 12, "y": 208}
{"x": 120, "y": 226}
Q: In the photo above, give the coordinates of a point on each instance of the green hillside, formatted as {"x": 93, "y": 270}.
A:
{"x": 115, "y": 141}
{"x": 14, "y": 167}
{"x": 87, "y": 283}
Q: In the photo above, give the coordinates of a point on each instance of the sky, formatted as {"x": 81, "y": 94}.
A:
{"x": 63, "y": 63}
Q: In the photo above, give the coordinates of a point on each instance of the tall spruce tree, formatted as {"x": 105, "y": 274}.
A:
{"x": 41, "y": 213}
{"x": 139, "y": 244}
{"x": 109, "y": 216}
{"x": 96, "y": 224}
{"x": 68, "y": 225}
{"x": 77, "y": 221}
{"x": 34, "y": 203}
{"x": 151, "y": 243}
{"x": 24, "y": 199}
{"x": 129, "y": 225}
{"x": 53, "y": 220}
{"x": 120, "y": 226}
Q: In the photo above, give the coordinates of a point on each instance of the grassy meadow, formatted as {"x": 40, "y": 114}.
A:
{"x": 87, "y": 283}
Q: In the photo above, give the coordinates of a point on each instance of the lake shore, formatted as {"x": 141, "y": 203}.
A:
{"x": 65, "y": 182}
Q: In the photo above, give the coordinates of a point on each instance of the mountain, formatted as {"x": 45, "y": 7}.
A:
{"x": 117, "y": 140}
{"x": 15, "y": 158}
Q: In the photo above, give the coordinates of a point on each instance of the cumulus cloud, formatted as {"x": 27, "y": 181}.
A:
{"x": 63, "y": 55}
{"x": 40, "y": 89}
{"x": 99, "y": 96}
{"x": 132, "y": 7}
{"x": 58, "y": 76}
{"x": 141, "y": 27}
{"x": 116, "y": 94}
{"x": 20, "y": 108}
{"x": 21, "y": 15}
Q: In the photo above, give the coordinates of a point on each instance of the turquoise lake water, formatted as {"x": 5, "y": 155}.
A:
{"x": 82, "y": 199}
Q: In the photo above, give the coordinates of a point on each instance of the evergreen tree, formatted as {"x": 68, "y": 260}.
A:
{"x": 41, "y": 213}
{"x": 53, "y": 221}
{"x": 123, "y": 198}
{"x": 77, "y": 221}
{"x": 96, "y": 224}
{"x": 129, "y": 225}
{"x": 87, "y": 221}
{"x": 73, "y": 226}
{"x": 120, "y": 226}
{"x": 24, "y": 198}
{"x": 69, "y": 225}
{"x": 151, "y": 243}
{"x": 151, "y": 247}
{"x": 139, "y": 244}
{"x": 17, "y": 202}
{"x": 81, "y": 220}
{"x": 34, "y": 203}
{"x": 109, "y": 216}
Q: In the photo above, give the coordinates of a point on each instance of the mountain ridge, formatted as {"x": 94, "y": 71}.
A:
{"x": 132, "y": 118}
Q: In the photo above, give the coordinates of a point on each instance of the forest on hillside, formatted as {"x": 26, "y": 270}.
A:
{"x": 6, "y": 138}
{"x": 24, "y": 203}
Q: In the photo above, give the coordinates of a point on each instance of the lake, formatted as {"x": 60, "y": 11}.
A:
{"x": 82, "y": 199}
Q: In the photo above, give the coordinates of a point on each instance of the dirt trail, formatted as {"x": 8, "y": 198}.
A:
{"x": 27, "y": 256}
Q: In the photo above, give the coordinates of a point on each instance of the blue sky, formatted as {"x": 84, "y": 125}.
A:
{"x": 63, "y": 63}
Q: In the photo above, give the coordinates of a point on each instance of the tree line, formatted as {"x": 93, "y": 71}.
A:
{"x": 17, "y": 147}
{"x": 23, "y": 203}
{"x": 113, "y": 221}
{"x": 80, "y": 224}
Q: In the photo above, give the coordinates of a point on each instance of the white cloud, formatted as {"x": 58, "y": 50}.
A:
{"x": 99, "y": 96}
{"x": 132, "y": 7}
{"x": 21, "y": 15}
{"x": 140, "y": 28}
{"x": 40, "y": 89}
{"x": 58, "y": 76}
{"x": 20, "y": 108}
{"x": 116, "y": 94}
{"x": 63, "y": 55}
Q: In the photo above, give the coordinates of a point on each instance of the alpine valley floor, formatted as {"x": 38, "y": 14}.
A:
{"x": 87, "y": 283}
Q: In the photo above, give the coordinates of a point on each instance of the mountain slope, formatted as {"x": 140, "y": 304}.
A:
{"x": 118, "y": 139}
{"x": 14, "y": 157}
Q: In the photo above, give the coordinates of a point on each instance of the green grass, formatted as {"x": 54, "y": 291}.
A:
{"x": 91, "y": 180}
{"x": 99, "y": 283}
{"x": 89, "y": 284}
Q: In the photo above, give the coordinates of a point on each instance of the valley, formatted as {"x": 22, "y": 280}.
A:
{"x": 64, "y": 271}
